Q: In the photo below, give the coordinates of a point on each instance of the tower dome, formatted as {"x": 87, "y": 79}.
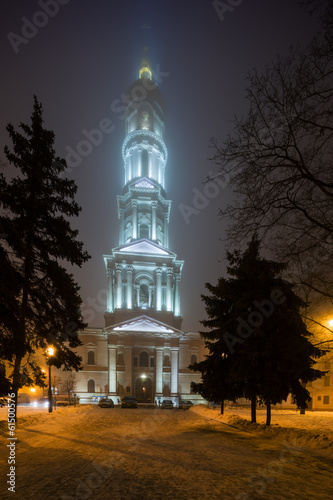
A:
{"x": 144, "y": 151}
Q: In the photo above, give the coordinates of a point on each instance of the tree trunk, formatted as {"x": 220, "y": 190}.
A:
{"x": 253, "y": 410}
{"x": 268, "y": 414}
{"x": 222, "y": 406}
{"x": 16, "y": 380}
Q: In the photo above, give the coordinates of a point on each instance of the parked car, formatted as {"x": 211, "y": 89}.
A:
{"x": 106, "y": 403}
{"x": 129, "y": 402}
{"x": 62, "y": 402}
{"x": 185, "y": 404}
{"x": 167, "y": 403}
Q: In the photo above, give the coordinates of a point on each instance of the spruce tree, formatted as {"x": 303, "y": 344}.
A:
{"x": 40, "y": 299}
{"x": 265, "y": 341}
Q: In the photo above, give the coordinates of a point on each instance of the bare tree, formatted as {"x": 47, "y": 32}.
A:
{"x": 68, "y": 383}
{"x": 279, "y": 162}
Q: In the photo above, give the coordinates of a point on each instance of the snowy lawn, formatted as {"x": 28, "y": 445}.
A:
{"x": 314, "y": 430}
{"x": 100, "y": 453}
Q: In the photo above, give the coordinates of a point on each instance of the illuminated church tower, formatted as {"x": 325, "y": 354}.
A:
{"x": 141, "y": 351}
{"x": 143, "y": 274}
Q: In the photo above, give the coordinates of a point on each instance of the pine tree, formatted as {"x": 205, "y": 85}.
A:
{"x": 265, "y": 342}
{"x": 40, "y": 298}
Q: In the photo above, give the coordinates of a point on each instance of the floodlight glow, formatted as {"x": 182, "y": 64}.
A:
{"x": 143, "y": 376}
{"x": 50, "y": 351}
{"x": 330, "y": 323}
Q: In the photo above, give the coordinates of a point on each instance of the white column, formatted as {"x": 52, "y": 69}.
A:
{"x": 174, "y": 371}
{"x": 150, "y": 296}
{"x": 166, "y": 230}
{"x": 113, "y": 369}
{"x": 119, "y": 285}
{"x": 130, "y": 164}
{"x": 139, "y": 163}
{"x": 158, "y": 288}
{"x": 159, "y": 371}
{"x": 169, "y": 289}
{"x": 153, "y": 219}
{"x": 110, "y": 290}
{"x": 121, "y": 226}
{"x": 128, "y": 368}
{"x": 177, "y": 296}
{"x": 150, "y": 163}
{"x": 135, "y": 218}
{"x": 129, "y": 270}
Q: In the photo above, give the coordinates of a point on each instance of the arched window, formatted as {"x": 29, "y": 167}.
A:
{"x": 144, "y": 231}
{"x": 144, "y": 359}
{"x": 194, "y": 359}
{"x": 128, "y": 232}
{"x": 91, "y": 385}
{"x": 144, "y": 295}
{"x": 144, "y": 163}
{"x": 120, "y": 360}
{"x": 91, "y": 358}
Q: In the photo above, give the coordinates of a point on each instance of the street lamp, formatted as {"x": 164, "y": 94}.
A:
{"x": 50, "y": 352}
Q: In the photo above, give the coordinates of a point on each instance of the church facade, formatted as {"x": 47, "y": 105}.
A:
{"x": 142, "y": 350}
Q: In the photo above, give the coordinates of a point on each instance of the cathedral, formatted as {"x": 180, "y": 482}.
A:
{"x": 142, "y": 350}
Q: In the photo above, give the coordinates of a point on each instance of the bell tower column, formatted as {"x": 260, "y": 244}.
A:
{"x": 159, "y": 288}
{"x": 129, "y": 294}
{"x": 135, "y": 218}
{"x": 166, "y": 230}
{"x": 153, "y": 219}
{"x": 121, "y": 226}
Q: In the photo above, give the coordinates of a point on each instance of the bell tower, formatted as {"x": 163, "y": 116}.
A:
{"x": 143, "y": 274}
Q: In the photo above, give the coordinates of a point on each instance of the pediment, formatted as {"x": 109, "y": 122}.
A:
{"x": 143, "y": 324}
{"x": 144, "y": 183}
{"x": 144, "y": 246}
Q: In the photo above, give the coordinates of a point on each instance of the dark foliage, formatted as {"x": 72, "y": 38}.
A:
{"x": 40, "y": 301}
{"x": 259, "y": 346}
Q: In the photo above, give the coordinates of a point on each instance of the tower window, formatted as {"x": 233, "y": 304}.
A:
{"x": 144, "y": 231}
{"x": 144, "y": 296}
{"x": 144, "y": 163}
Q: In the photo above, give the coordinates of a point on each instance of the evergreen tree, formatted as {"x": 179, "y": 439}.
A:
{"x": 40, "y": 301}
{"x": 266, "y": 345}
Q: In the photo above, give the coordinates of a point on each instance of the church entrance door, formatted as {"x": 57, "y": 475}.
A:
{"x": 144, "y": 390}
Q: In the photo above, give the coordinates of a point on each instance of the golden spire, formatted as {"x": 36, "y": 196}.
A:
{"x": 145, "y": 71}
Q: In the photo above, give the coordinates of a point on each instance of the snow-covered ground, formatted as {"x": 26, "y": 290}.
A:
{"x": 313, "y": 430}
{"x": 92, "y": 453}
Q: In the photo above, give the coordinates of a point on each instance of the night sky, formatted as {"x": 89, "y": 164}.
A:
{"x": 83, "y": 59}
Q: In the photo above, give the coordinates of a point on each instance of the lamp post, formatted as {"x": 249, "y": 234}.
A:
{"x": 50, "y": 352}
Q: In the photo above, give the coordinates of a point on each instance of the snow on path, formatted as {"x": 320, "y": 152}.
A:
{"x": 93, "y": 453}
